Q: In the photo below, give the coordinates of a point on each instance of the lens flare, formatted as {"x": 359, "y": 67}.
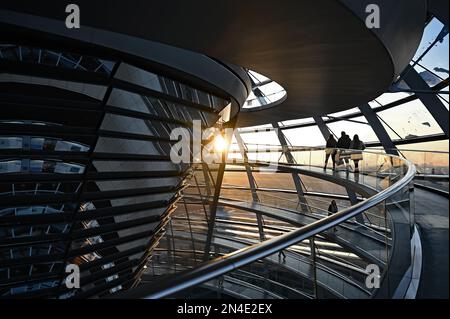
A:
{"x": 220, "y": 144}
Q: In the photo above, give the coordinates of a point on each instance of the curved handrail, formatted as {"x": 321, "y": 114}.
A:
{"x": 318, "y": 148}
{"x": 224, "y": 264}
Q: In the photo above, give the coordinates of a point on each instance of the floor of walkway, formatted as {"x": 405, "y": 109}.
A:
{"x": 432, "y": 212}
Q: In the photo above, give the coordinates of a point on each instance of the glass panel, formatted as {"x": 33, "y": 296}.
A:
{"x": 417, "y": 121}
{"x": 304, "y": 136}
{"x": 295, "y": 122}
{"x": 162, "y": 84}
{"x": 260, "y": 138}
{"x": 264, "y": 91}
{"x": 346, "y": 112}
{"x": 431, "y": 32}
{"x": 357, "y": 125}
{"x": 48, "y": 57}
{"x": 333, "y": 264}
{"x": 387, "y": 98}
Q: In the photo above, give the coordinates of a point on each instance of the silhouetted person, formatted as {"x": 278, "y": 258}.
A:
{"x": 281, "y": 254}
{"x": 357, "y": 147}
{"x": 330, "y": 150}
{"x": 333, "y": 209}
{"x": 343, "y": 144}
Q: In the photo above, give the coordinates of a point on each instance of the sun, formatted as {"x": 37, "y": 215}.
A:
{"x": 220, "y": 144}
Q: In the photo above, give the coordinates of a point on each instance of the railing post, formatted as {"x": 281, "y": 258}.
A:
{"x": 354, "y": 200}
{"x": 310, "y": 154}
{"x": 252, "y": 183}
{"x": 173, "y": 246}
{"x": 291, "y": 160}
{"x": 412, "y": 208}
{"x": 218, "y": 187}
{"x": 313, "y": 259}
{"x": 387, "y": 250}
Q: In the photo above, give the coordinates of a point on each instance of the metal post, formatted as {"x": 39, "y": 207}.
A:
{"x": 190, "y": 228}
{"x": 218, "y": 187}
{"x": 296, "y": 177}
{"x": 313, "y": 259}
{"x": 379, "y": 129}
{"x": 201, "y": 198}
{"x": 252, "y": 184}
{"x": 322, "y": 127}
{"x": 354, "y": 200}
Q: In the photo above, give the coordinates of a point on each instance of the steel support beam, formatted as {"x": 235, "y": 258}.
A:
{"x": 248, "y": 170}
{"x": 354, "y": 200}
{"x": 252, "y": 183}
{"x": 379, "y": 129}
{"x": 217, "y": 189}
{"x": 322, "y": 127}
{"x": 213, "y": 211}
{"x": 296, "y": 177}
{"x": 313, "y": 256}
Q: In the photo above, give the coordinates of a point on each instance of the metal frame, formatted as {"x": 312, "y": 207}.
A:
{"x": 220, "y": 266}
{"x": 93, "y": 275}
{"x": 378, "y": 128}
{"x": 290, "y": 159}
{"x": 252, "y": 183}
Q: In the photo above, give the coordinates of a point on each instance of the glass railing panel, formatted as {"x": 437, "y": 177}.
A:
{"x": 332, "y": 265}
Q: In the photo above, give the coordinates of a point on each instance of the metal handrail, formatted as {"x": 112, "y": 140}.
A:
{"x": 318, "y": 148}
{"x": 224, "y": 264}
{"x": 419, "y": 151}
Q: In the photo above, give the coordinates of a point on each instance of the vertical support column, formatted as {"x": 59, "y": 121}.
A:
{"x": 252, "y": 184}
{"x": 218, "y": 188}
{"x": 354, "y": 200}
{"x": 412, "y": 208}
{"x": 213, "y": 210}
{"x": 243, "y": 151}
{"x": 202, "y": 200}
{"x": 379, "y": 130}
{"x": 296, "y": 177}
{"x": 314, "y": 261}
{"x": 173, "y": 247}
{"x": 207, "y": 180}
{"x": 431, "y": 101}
{"x": 190, "y": 228}
{"x": 322, "y": 127}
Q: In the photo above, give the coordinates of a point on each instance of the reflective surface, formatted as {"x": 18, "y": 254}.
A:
{"x": 332, "y": 264}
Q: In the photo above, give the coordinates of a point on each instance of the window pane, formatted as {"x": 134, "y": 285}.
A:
{"x": 305, "y": 136}
{"x": 355, "y": 126}
{"x": 415, "y": 121}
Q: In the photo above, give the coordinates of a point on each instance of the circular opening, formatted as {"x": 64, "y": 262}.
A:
{"x": 265, "y": 93}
